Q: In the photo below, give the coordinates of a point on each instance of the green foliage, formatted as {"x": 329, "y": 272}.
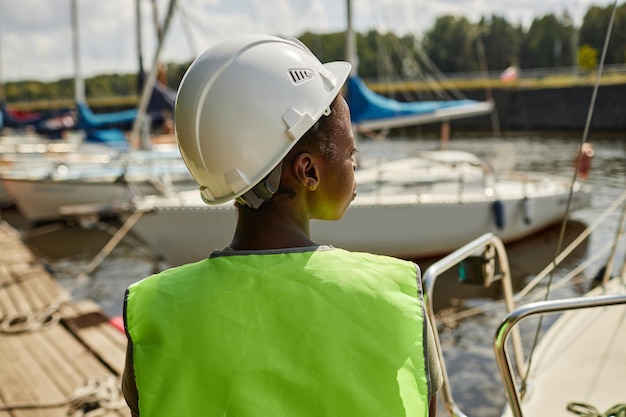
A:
{"x": 376, "y": 51}
{"x": 587, "y": 57}
{"x": 175, "y": 73}
{"x": 450, "y": 44}
{"x": 502, "y": 42}
{"x": 593, "y": 32}
{"x": 548, "y": 43}
{"x": 453, "y": 44}
{"x": 111, "y": 85}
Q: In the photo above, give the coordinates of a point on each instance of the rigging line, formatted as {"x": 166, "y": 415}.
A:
{"x": 393, "y": 47}
{"x": 49, "y": 315}
{"x": 184, "y": 18}
{"x": 483, "y": 308}
{"x": 403, "y": 54}
{"x": 482, "y": 61}
{"x": 425, "y": 73}
{"x": 623, "y": 273}
{"x": 580, "y": 268}
{"x": 439, "y": 76}
{"x": 609, "y": 264}
{"x": 571, "y": 191}
{"x": 581, "y": 237}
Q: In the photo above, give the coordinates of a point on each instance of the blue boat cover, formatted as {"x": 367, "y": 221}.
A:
{"x": 89, "y": 120}
{"x": 366, "y": 105}
{"x": 161, "y": 101}
{"x": 111, "y": 137}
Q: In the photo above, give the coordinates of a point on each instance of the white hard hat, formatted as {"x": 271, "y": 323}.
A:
{"x": 242, "y": 105}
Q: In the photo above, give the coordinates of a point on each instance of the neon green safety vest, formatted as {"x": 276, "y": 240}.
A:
{"x": 322, "y": 332}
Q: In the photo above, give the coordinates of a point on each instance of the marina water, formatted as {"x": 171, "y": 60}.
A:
{"x": 68, "y": 249}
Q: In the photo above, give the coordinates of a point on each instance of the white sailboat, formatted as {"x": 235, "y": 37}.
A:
{"x": 412, "y": 207}
{"x": 404, "y": 220}
{"x": 100, "y": 169}
{"x": 33, "y": 153}
{"x": 419, "y": 206}
{"x": 41, "y": 188}
{"x": 372, "y": 112}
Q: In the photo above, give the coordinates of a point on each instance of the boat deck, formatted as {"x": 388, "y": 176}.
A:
{"x": 589, "y": 364}
{"x": 69, "y": 361}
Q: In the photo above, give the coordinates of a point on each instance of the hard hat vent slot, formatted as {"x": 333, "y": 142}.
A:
{"x": 301, "y": 75}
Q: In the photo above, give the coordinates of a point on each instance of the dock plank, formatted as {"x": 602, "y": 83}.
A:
{"x": 90, "y": 325}
{"x": 43, "y": 367}
{"x": 9, "y": 252}
{"x": 40, "y": 389}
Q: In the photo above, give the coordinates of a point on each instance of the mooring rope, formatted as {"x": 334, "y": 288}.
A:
{"x": 95, "y": 397}
{"x": 560, "y": 257}
{"x": 22, "y": 322}
{"x": 32, "y": 320}
{"x": 587, "y": 410}
{"x": 524, "y": 292}
{"x": 18, "y": 323}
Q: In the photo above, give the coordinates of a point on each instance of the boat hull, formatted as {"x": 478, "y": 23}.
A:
{"x": 39, "y": 186}
{"x": 183, "y": 230}
{"x": 41, "y": 200}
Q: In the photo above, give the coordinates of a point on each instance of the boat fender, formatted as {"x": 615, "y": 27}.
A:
{"x": 498, "y": 213}
{"x": 582, "y": 160}
{"x": 527, "y": 210}
{"x": 118, "y": 323}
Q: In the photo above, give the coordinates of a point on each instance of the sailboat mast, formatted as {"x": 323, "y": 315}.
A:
{"x": 79, "y": 83}
{"x": 2, "y": 97}
{"x": 152, "y": 76}
{"x": 140, "y": 74}
{"x": 351, "y": 55}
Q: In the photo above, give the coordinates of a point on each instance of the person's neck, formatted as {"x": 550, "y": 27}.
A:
{"x": 257, "y": 231}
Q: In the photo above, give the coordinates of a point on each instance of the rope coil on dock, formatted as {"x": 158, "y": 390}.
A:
{"x": 94, "y": 398}
{"x": 24, "y": 323}
{"x": 18, "y": 323}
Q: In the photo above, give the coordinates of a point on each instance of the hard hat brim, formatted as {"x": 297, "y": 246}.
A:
{"x": 341, "y": 70}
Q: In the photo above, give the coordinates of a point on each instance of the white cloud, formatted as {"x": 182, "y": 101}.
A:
{"x": 36, "y": 36}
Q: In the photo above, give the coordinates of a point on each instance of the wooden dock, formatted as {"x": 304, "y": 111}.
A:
{"x": 58, "y": 357}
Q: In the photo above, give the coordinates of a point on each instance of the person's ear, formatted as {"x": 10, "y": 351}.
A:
{"x": 306, "y": 170}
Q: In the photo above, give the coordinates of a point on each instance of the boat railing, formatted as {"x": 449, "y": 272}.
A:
{"x": 537, "y": 308}
{"x": 489, "y": 254}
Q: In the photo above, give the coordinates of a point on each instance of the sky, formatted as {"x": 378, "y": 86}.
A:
{"x": 36, "y": 36}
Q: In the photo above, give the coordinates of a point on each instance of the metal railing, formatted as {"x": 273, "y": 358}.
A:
{"x": 541, "y": 307}
{"x": 495, "y": 267}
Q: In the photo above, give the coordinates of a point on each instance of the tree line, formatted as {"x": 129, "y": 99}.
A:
{"x": 453, "y": 44}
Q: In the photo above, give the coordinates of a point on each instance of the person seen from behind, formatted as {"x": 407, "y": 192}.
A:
{"x": 276, "y": 324}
